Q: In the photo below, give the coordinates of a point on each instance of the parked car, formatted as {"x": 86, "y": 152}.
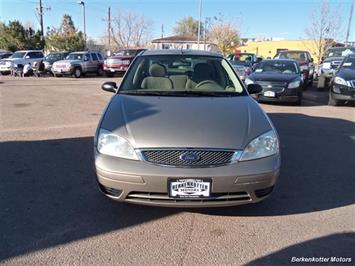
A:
{"x": 120, "y": 61}
{"x": 243, "y": 63}
{"x": 20, "y": 58}
{"x": 4, "y": 55}
{"x": 79, "y": 63}
{"x": 185, "y": 139}
{"x": 343, "y": 82}
{"x": 53, "y": 57}
{"x": 281, "y": 80}
{"x": 305, "y": 62}
{"x": 330, "y": 63}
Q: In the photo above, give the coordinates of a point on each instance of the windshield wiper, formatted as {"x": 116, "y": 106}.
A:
{"x": 181, "y": 93}
{"x": 145, "y": 92}
{"x": 204, "y": 93}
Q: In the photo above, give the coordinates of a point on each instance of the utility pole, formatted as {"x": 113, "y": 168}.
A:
{"x": 162, "y": 30}
{"x": 109, "y": 29}
{"x": 349, "y": 23}
{"x": 82, "y": 3}
{"x": 40, "y": 13}
{"x": 199, "y": 24}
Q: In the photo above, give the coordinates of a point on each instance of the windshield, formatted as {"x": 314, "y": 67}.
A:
{"x": 18, "y": 55}
{"x": 277, "y": 66}
{"x": 126, "y": 52}
{"x": 294, "y": 55}
{"x": 76, "y": 56}
{"x": 54, "y": 56}
{"x": 339, "y": 52}
{"x": 181, "y": 75}
{"x": 349, "y": 63}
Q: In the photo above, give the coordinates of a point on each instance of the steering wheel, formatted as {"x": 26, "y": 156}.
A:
{"x": 207, "y": 84}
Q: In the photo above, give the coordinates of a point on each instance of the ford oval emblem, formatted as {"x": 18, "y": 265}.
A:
{"x": 189, "y": 157}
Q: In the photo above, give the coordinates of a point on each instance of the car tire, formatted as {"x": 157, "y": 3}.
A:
{"x": 77, "y": 72}
{"x": 109, "y": 74}
{"x": 100, "y": 72}
{"x": 334, "y": 102}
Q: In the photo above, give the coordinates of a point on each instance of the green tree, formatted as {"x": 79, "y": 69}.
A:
{"x": 187, "y": 26}
{"x": 66, "y": 37}
{"x": 15, "y": 36}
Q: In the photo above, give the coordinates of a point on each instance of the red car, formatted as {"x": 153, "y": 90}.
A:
{"x": 120, "y": 61}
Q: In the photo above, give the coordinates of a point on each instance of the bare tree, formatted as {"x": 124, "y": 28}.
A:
{"x": 130, "y": 29}
{"x": 324, "y": 28}
{"x": 225, "y": 36}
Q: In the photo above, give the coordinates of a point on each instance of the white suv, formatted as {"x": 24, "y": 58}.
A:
{"x": 20, "y": 58}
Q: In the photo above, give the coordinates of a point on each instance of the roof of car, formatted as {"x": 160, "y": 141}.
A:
{"x": 293, "y": 51}
{"x": 281, "y": 59}
{"x": 180, "y": 52}
{"x": 25, "y": 51}
{"x": 84, "y": 52}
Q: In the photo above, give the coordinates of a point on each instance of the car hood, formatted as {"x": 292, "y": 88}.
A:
{"x": 196, "y": 122}
{"x": 67, "y": 61}
{"x": 273, "y": 77}
{"x": 347, "y": 74}
{"x": 331, "y": 59}
{"x": 122, "y": 57}
{"x": 12, "y": 59}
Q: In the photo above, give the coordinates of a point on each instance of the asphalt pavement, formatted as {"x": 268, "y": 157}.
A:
{"x": 51, "y": 212}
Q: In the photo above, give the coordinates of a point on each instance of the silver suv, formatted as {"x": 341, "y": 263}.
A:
{"x": 20, "y": 58}
{"x": 79, "y": 63}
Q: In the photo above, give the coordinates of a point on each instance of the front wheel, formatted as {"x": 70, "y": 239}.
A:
{"x": 100, "y": 72}
{"x": 334, "y": 102}
{"x": 77, "y": 72}
{"x": 109, "y": 74}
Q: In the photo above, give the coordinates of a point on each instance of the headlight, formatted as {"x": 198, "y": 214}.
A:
{"x": 340, "y": 81}
{"x": 265, "y": 145}
{"x": 294, "y": 84}
{"x": 326, "y": 65}
{"x": 248, "y": 81}
{"x": 113, "y": 145}
{"x": 8, "y": 63}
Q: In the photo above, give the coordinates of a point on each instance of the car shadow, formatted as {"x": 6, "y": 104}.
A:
{"x": 334, "y": 248}
{"x": 317, "y": 171}
{"x": 49, "y": 197}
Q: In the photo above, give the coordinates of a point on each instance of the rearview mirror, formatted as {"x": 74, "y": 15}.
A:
{"x": 109, "y": 86}
{"x": 254, "y": 88}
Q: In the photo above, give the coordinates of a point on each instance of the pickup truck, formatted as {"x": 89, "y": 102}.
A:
{"x": 120, "y": 61}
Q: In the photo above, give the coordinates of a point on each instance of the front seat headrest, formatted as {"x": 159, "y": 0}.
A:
{"x": 202, "y": 71}
{"x": 157, "y": 70}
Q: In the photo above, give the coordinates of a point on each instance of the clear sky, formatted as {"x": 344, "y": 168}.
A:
{"x": 256, "y": 18}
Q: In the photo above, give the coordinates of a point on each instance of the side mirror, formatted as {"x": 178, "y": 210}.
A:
{"x": 254, "y": 88}
{"x": 109, "y": 86}
{"x": 312, "y": 60}
{"x": 27, "y": 56}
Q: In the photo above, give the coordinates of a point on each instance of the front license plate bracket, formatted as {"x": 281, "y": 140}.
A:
{"x": 189, "y": 188}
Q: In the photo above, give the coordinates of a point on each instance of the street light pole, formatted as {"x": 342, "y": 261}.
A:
{"x": 82, "y": 3}
{"x": 199, "y": 24}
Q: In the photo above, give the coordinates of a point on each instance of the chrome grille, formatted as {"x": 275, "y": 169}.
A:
{"x": 206, "y": 158}
{"x": 352, "y": 82}
{"x": 273, "y": 84}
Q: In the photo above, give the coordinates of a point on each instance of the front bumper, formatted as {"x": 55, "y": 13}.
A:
{"x": 4, "y": 68}
{"x": 143, "y": 183}
{"x": 62, "y": 71}
{"x": 122, "y": 68}
{"x": 346, "y": 93}
{"x": 285, "y": 95}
